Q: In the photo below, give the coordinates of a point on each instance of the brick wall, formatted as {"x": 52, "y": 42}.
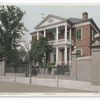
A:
{"x": 83, "y": 44}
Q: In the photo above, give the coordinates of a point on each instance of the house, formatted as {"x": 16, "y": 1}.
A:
{"x": 67, "y": 35}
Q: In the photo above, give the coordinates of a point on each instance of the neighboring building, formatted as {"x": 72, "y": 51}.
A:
{"x": 67, "y": 35}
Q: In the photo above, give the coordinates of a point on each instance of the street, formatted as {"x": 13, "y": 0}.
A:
{"x": 26, "y": 88}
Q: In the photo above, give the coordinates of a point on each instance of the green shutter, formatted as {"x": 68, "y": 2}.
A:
{"x": 79, "y": 34}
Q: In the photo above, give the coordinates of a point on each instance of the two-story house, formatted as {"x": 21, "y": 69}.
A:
{"x": 67, "y": 35}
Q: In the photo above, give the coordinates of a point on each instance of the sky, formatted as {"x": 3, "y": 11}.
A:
{"x": 34, "y": 13}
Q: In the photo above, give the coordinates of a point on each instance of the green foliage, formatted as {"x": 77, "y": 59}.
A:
{"x": 22, "y": 54}
{"x": 1, "y": 52}
{"x": 11, "y": 30}
{"x": 50, "y": 66}
{"x": 61, "y": 69}
{"x": 39, "y": 50}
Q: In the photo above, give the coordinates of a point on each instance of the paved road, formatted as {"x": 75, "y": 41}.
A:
{"x": 17, "y": 87}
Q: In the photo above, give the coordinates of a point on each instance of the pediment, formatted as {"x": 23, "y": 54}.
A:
{"x": 49, "y": 20}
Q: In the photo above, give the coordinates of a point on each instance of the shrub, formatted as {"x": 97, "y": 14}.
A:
{"x": 61, "y": 69}
{"x": 49, "y": 67}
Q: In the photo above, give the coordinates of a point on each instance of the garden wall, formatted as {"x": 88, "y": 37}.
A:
{"x": 2, "y": 69}
{"x": 81, "y": 68}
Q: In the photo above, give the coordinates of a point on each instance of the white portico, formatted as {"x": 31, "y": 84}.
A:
{"x": 58, "y": 33}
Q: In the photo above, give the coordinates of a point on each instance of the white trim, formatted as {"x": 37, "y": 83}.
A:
{"x": 52, "y": 26}
{"x": 57, "y": 55}
{"x": 65, "y": 53}
{"x": 50, "y": 16}
{"x": 70, "y": 55}
{"x": 44, "y": 33}
{"x": 37, "y": 35}
{"x": 81, "y": 24}
{"x": 96, "y": 35}
{"x": 84, "y": 58}
{"x": 65, "y": 33}
{"x": 60, "y": 43}
{"x": 81, "y": 33}
{"x": 92, "y": 33}
{"x": 70, "y": 32}
{"x": 57, "y": 31}
{"x": 85, "y": 23}
{"x": 94, "y": 28}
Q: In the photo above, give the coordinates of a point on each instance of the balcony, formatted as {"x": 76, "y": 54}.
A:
{"x": 60, "y": 42}
{"x": 53, "y": 42}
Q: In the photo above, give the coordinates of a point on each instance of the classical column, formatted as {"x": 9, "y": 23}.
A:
{"x": 71, "y": 46}
{"x": 56, "y": 55}
{"x": 37, "y": 35}
{"x": 57, "y": 34}
{"x": 70, "y": 56}
{"x": 70, "y": 34}
{"x": 44, "y": 33}
{"x": 66, "y": 32}
{"x": 65, "y": 55}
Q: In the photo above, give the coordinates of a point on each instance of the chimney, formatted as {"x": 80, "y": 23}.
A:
{"x": 85, "y": 15}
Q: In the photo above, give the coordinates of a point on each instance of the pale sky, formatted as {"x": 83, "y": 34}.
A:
{"x": 34, "y": 13}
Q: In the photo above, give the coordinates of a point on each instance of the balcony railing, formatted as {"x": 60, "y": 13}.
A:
{"x": 59, "y": 42}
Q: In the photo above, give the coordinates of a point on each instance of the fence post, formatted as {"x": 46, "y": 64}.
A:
{"x": 74, "y": 66}
{"x": 95, "y": 73}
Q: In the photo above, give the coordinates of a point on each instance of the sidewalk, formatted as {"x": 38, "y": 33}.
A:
{"x": 60, "y": 83}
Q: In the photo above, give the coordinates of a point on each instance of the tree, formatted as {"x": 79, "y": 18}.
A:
{"x": 1, "y": 52}
{"x": 27, "y": 47}
{"x": 22, "y": 54}
{"x": 39, "y": 51}
{"x": 11, "y": 31}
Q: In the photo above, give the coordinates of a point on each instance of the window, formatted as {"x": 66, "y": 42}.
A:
{"x": 68, "y": 36}
{"x": 61, "y": 34}
{"x": 54, "y": 58}
{"x": 54, "y": 35}
{"x": 79, "y": 34}
{"x": 68, "y": 54}
{"x": 92, "y": 35}
{"x": 79, "y": 52}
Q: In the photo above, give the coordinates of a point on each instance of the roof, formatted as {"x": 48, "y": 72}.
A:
{"x": 50, "y": 15}
{"x": 78, "y": 20}
{"x": 33, "y": 33}
{"x": 71, "y": 20}
{"x": 92, "y": 21}
{"x": 75, "y": 20}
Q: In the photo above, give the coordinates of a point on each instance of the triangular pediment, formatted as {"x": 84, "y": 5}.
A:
{"x": 49, "y": 20}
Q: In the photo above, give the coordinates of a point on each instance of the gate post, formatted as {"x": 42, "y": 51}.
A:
{"x": 74, "y": 66}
